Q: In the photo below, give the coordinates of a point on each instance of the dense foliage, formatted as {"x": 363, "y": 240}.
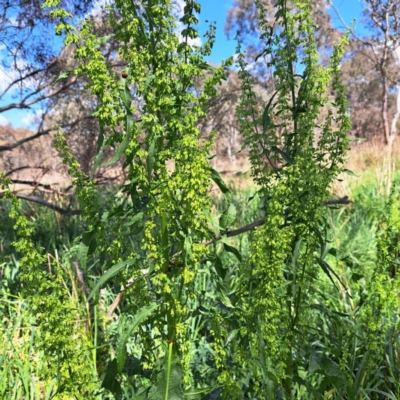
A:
{"x": 159, "y": 297}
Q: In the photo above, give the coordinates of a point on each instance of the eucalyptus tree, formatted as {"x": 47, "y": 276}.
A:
{"x": 30, "y": 61}
{"x": 30, "y": 66}
{"x": 380, "y": 49}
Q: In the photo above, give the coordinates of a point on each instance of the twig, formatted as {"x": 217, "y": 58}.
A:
{"x": 120, "y": 295}
{"x": 250, "y": 227}
{"x": 115, "y": 304}
{"x": 24, "y": 167}
{"x": 79, "y": 276}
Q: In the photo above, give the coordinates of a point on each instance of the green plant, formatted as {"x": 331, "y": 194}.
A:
{"x": 199, "y": 318}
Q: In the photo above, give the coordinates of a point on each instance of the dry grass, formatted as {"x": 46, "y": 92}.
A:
{"x": 370, "y": 162}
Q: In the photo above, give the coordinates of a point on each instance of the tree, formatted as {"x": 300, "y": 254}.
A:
{"x": 36, "y": 78}
{"x": 30, "y": 64}
{"x": 380, "y": 50}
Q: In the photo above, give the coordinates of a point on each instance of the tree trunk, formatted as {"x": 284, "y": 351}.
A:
{"x": 393, "y": 129}
{"x": 384, "y": 112}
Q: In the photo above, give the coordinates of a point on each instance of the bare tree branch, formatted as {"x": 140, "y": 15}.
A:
{"x": 40, "y": 133}
{"x": 24, "y": 105}
{"x": 250, "y": 227}
{"x": 31, "y": 183}
{"x": 29, "y": 75}
{"x": 22, "y": 141}
{"x": 45, "y": 203}
{"x": 23, "y": 167}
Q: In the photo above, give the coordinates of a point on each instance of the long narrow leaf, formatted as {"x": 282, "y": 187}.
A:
{"x": 141, "y": 316}
{"x": 114, "y": 270}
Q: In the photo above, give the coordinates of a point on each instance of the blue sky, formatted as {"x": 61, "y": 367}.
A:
{"x": 216, "y": 10}
{"x": 212, "y": 10}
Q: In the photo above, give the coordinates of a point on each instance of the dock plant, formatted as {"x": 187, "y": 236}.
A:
{"x": 196, "y": 316}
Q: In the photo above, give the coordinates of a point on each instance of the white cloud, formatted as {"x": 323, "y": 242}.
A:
{"x": 98, "y": 5}
{"x": 11, "y": 74}
{"x": 6, "y": 78}
{"x": 4, "y": 120}
{"x": 32, "y": 118}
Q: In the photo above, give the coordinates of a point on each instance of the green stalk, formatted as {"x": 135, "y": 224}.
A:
{"x": 168, "y": 297}
{"x": 95, "y": 338}
{"x": 170, "y": 348}
{"x": 291, "y": 72}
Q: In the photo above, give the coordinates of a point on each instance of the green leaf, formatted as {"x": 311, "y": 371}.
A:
{"x": 233, "y": 250}
{"x": 206, "y": 66}
{"x": 266, "y": 119}
{"x": 151, "y": 156}
{"x": 102, "y": 41}
{"x": 126, "y": 97}
{"x": 109, "y": 381}
{"x": 349, "y": 172}
{"x": 136, "y": 223}
{"x": 149, "y": 79}
{"x": 96, "y": 162}
{"x": 219, "y": 267}
{"x": 100, "y": 139}
{"x": 124, "y": 144}
{"x": 88, "y": 238}
{"x": 187, "y": 247}
{"x": 223, "y": 296}
{"x": 228, "y": 217}
{"x": 82, "y": 254}
{"x": 114, "y": 270}
{"x": 194, "y": 393}
{"x": 296, "y": 252}
{"x": 63, "y": 75}
{"x": 300, "y": 381}
{"x": 215, "y": 176}
{"x": 320, "y": 362}
{"x": 360, "y": 139}
{"x": 138, "y": 319}
{"x": 169, "y": 381}
{"x": 329, "y": 271}
{"x": 356, "y": 277}
{"x": 385, "y": 395}
{"x": 284, "y": 155}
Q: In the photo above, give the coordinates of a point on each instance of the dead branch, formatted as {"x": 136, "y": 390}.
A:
{"x": 31, "y": 183}
{"x": 21, "y": 168}
{"x": 80, "y": 278}
{"x": 38, "y": 134}
{"x": 39, "y": 200}
{"x": 23, "y": 104}
{"x": 250, "y": 227}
